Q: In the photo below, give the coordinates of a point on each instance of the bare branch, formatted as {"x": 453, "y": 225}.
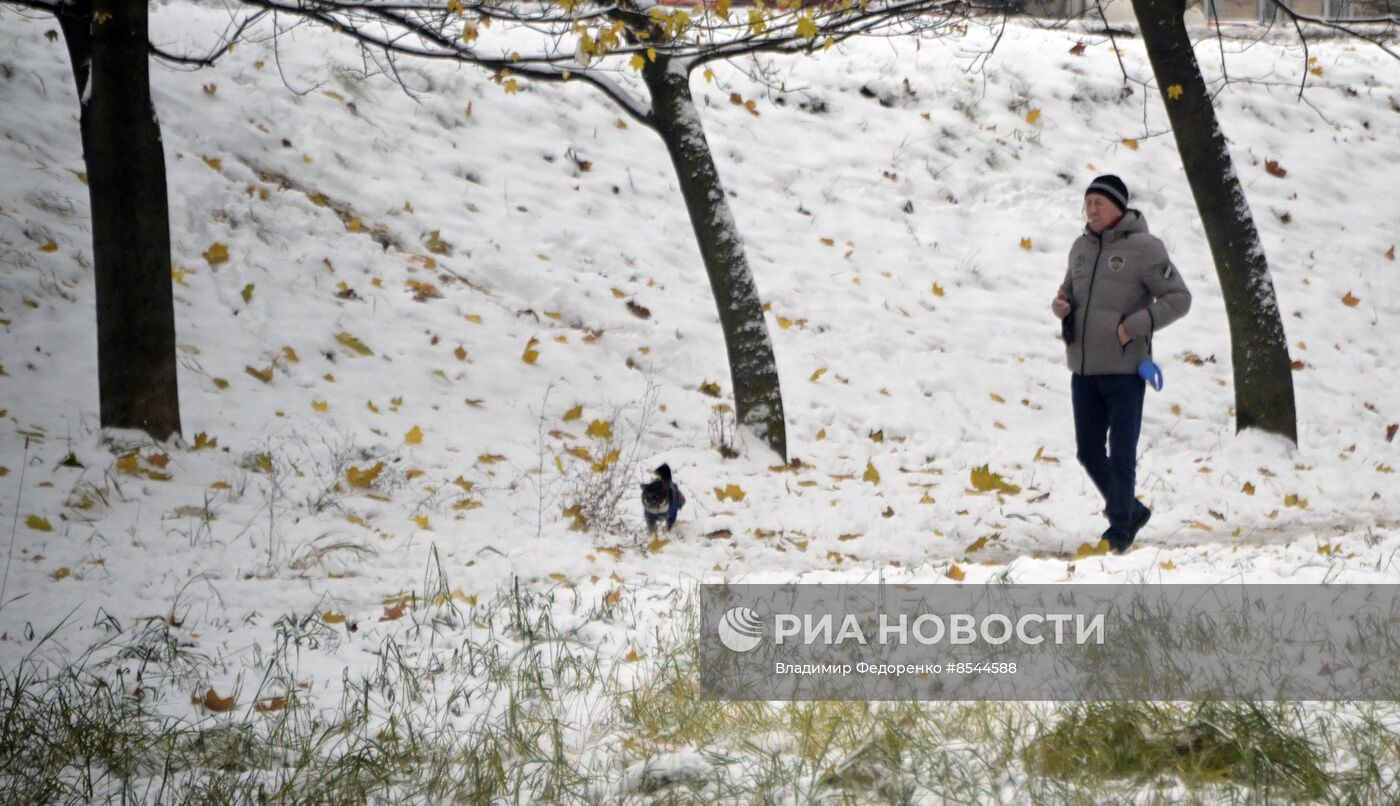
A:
{"x": 1303, "y": 83}
{"x": 1347, "y": 27}
{"x": 226, "y": 42}
{"x": 1219, "y": 42}
{"x": 619, "y": 96}
{"x": 51, "y": 6}
{"x": 1098, "y": 6}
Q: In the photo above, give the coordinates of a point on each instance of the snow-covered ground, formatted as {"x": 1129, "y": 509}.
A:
{"x": 453, "y": 296}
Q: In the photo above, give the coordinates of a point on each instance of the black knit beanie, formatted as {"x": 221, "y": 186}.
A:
{"x": 1111, "y": 188}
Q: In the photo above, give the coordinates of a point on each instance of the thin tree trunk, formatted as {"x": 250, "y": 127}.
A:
{"x": 1259, "y": 347}
{"x": 107, "y": 44}
{"x": 752, "y": 367}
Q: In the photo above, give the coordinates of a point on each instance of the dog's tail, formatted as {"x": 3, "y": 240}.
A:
{"x": 664, "y": 473}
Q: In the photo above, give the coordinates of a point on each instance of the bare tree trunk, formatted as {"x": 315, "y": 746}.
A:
{"x": 752, "y": 366}
{"x": 1259, "y": 347}
{"x": 107, "y": 44}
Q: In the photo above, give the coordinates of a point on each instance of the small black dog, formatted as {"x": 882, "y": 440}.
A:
{"x": 661, "y": 498}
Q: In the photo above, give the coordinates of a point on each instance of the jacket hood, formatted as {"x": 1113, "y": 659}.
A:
{"x": 1132, "y": 223}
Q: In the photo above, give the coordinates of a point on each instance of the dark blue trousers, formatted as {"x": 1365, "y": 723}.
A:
{"x": 1108, "y": 413}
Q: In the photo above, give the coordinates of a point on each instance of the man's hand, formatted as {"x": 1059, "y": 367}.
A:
{"x": 1123, "y": 337}
{"x": 1061, "y": 304}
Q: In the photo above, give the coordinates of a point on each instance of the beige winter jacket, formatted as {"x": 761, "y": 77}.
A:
{"x": 1123, "y": 275}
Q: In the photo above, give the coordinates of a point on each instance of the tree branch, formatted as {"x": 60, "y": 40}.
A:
{"x": 619, "y": 96}
{"x": 51, "y": 6}
{"x": 443, "y": 47}
{"x": 1346, "y": 28}
{"x": 226, "y": 43}
{"x": 1113, "y": 40}
{"x": 839, "y": 25}
{"x": 440, "y": 32}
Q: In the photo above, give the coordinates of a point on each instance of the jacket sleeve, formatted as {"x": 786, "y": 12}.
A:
{"x": 1170, "y": 297}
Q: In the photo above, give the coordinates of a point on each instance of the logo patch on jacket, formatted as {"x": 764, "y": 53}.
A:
{"x": 1115, "y": 263}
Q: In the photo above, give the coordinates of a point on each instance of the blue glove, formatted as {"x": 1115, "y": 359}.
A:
{"x": 1151, "y": 373}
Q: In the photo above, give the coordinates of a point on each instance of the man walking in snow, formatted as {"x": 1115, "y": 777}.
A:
{"x": 1119, "y": 289}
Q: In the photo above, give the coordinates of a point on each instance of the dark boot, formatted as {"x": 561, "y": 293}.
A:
{"x": 1119, "y": 539}
{"x": 1140, "y": 519}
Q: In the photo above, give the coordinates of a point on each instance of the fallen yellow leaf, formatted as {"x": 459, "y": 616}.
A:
{"x": 1096, "y": 550}
{"x": 732, "y": 492}
{"x": 984, "y": 480}
{"x": 871, "y": 475}
{"x": 353, "y": 343}
{"x": 363, "y": 478}
{"x": 216, "y": 253}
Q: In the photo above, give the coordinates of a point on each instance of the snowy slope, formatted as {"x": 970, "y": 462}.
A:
{"x": 908, "y": 244}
